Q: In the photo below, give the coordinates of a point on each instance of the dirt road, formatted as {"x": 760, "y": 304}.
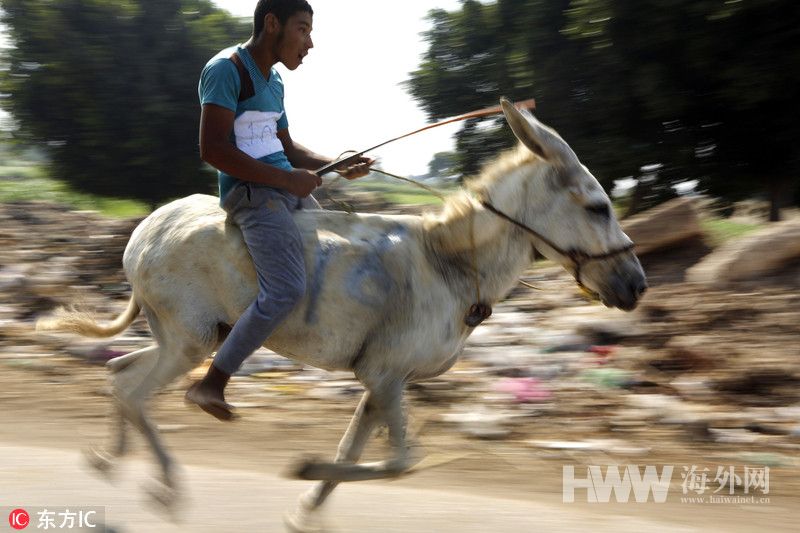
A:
{"x": 231, "y": 473}
{"x": 229, "y": 500}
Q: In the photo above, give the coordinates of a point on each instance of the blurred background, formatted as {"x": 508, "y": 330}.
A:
{"x": 685, "y": 111}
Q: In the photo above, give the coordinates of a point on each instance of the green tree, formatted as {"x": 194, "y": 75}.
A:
{"x": 443, "y": 164}
{"x": 512, "y": 48}
{"x": 705, "y": 86}
{"x": 701, "y": 88}
{"x": 109, "y": 87}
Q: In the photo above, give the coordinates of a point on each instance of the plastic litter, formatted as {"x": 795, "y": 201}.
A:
{"x": 524, "y": 390}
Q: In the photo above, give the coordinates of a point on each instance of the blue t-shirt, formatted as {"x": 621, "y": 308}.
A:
{"x": 258, "y": 119}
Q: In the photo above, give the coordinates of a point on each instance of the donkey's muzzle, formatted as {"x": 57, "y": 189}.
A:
{"x": 626, "y": 291}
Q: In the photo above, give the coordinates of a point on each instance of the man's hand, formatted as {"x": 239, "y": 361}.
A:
{"x": 302, "y": 182}
{"x": 358, "y": 169}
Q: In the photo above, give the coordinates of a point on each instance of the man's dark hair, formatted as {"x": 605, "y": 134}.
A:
{"x": 282, "y": 9}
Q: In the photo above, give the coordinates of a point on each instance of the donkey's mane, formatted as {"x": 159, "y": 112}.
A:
{"x": 448, "y": 227}
{"x": 500, "y": 167}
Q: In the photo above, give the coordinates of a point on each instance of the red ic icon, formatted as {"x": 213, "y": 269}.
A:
{"x": 19, "y": 519}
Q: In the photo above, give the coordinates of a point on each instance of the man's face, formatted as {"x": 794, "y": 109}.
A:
{"x": 294, "y": 40}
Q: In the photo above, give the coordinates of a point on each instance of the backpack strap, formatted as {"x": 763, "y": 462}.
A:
{"x": 246, "y": 82}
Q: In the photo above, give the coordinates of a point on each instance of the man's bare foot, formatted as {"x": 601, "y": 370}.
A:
{"x": 209, "y": 394}
{"x": 206, "y": 400}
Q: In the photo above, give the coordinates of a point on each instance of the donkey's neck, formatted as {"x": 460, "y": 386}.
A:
{"x": 465, "y": 233}
{"x": 500, "y": 259}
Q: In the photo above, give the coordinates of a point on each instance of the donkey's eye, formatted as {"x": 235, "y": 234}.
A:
{"x": 599, "y": 209}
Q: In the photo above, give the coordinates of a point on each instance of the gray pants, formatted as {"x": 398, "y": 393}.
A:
{"x": 264, "y": 216}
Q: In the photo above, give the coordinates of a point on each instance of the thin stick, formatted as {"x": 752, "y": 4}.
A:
{"x": 494, "y": 110}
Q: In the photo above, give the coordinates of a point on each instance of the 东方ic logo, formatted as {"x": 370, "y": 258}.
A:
{"x": 19, "y": 519}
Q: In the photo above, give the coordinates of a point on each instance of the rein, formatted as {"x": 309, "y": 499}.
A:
{"x": 488, "y": 111}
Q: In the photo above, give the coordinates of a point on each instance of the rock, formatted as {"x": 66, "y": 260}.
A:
{"x": 752, "y": 255}
{"x": 767, "y": 429}
{"x": 685, "y": 354}
{"x": 251, "y": 405}
{"x": 734, "y": 436}
{"x": 13, "y": 278}
{"x": 668, "y": 409}
{"x": 623, "y": 448}
{"x": 693, "y": 389}
{"x": 751, "y": 210}
{"x": 791, "y": 412}
{"x": 174, "y": 428}
{"x": 481, "y": 422}
{"x": 761, "y": 387}
{"x": 265, "y": 362}
{"x": 663, "y": 226}
{"x": 605, "y": 332}
{"x": 627, "y": 419}
{"x": 333, "y": 389}
{"x": 598, "y": 444}
{"x": 567, "y": 348}
{"x": 613, "y": 446}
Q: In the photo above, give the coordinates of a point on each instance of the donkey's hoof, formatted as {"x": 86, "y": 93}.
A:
{"x": 305, "y": 468}
{"x": 303, "y": 520}
{"x": 100, "y": 461}
{"x": 165, "y": 498}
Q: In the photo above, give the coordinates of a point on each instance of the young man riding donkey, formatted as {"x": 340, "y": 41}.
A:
{"x": 389, "y": 298}
{"x": 263, "y": 175}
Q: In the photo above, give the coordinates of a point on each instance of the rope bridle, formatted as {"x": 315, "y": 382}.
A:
{"x": 578, "y": 257}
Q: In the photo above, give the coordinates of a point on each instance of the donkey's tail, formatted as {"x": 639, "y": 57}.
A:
{"x": 83, "y": 323}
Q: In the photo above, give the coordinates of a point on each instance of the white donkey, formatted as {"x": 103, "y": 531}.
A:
{"x": 387, "y": 296}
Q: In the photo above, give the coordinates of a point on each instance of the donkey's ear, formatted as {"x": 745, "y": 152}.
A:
{"x": 522, "y": 128}
{"x": 540, "y": 139}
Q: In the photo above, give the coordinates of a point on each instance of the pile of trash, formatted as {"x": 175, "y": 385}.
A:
{"x": 693, "y": 364}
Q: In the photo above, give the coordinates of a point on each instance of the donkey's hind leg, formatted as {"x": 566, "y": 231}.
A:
{"x": 181, "y": 346}
{"x": 174, "y": 360}
{"x": 104, "y": 459}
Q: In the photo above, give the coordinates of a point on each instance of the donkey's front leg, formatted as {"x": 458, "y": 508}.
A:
{"x": 306, "y": 517}
{"x": 388, "y": 400}
{"x": 350, "y": 447}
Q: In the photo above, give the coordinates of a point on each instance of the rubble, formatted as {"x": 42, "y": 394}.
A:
{"x": 647, "y": 229}
{"x": 693, "y": 365}
{"x": 755, "y": 254}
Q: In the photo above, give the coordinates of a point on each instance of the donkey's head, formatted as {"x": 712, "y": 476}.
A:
{"x": 570, "y": 217}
